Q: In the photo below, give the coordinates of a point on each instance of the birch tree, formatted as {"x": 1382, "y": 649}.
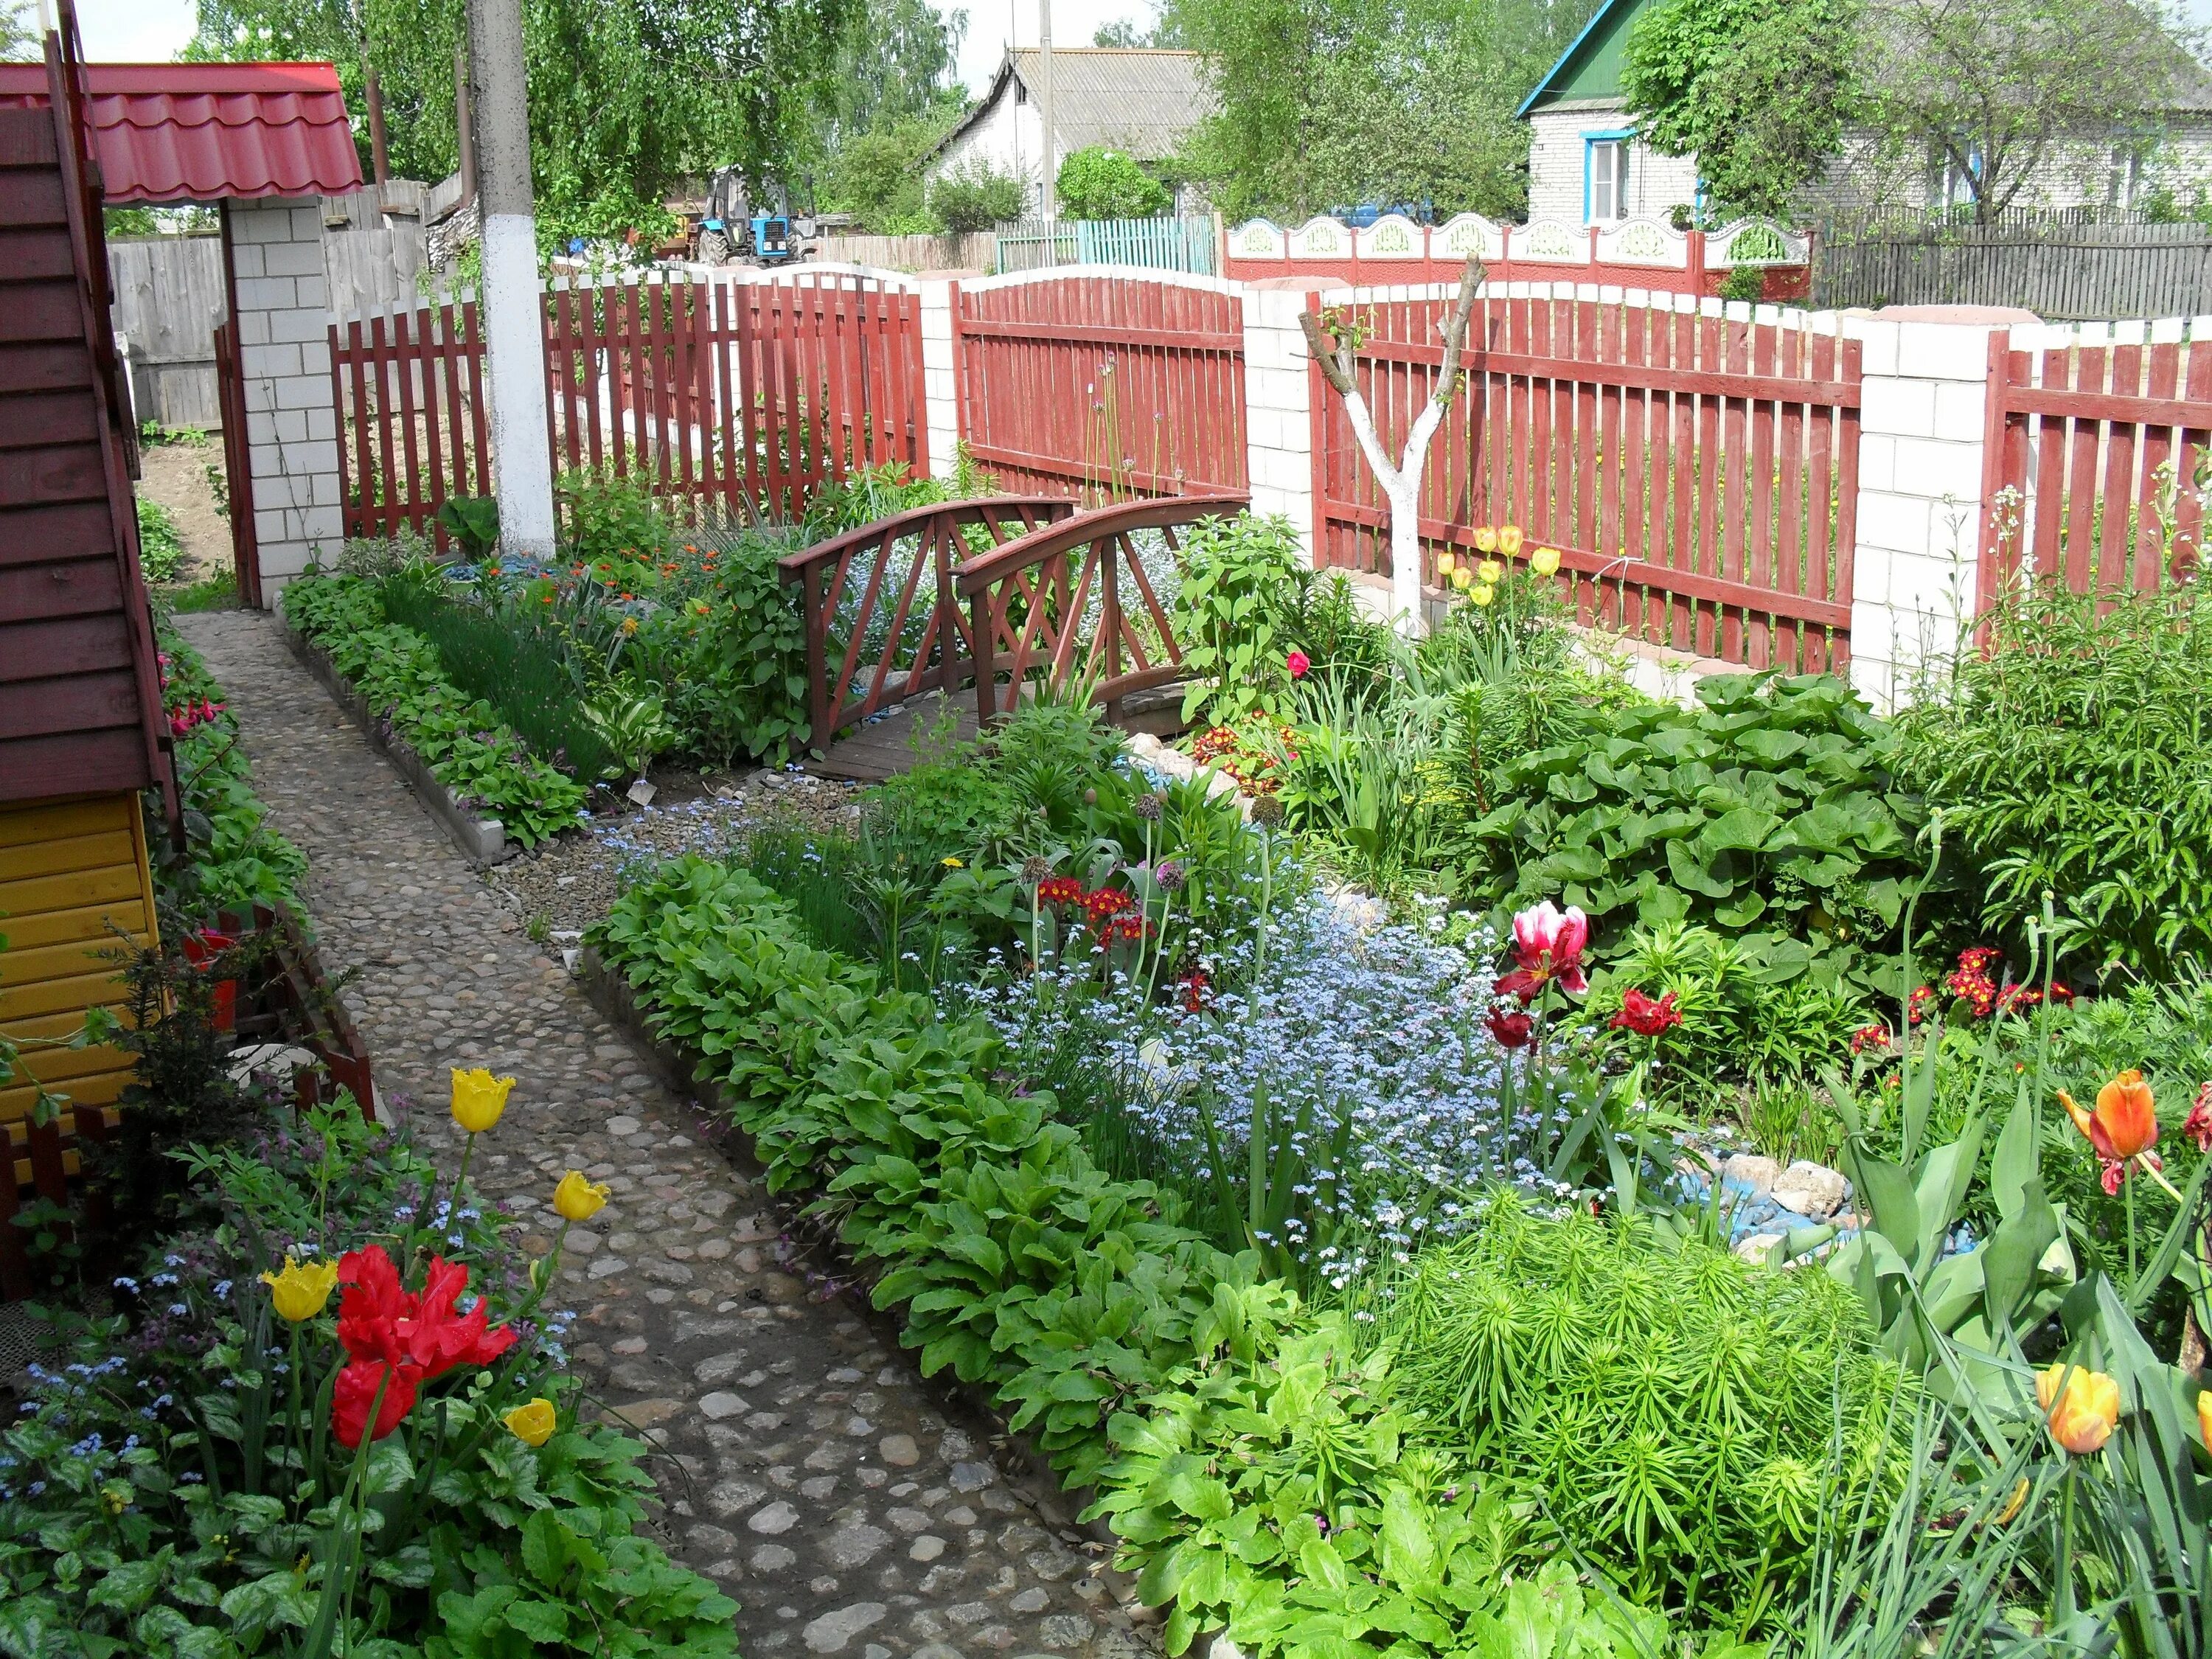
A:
{"x": 1334, "y": 339}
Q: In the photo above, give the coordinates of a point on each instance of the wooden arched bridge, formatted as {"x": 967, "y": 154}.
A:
{"x": 988, "y": 597}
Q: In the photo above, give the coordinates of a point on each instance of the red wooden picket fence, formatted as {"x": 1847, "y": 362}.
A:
{"x": 2090, "y": 460}
{"x": 743, "y": 397}
{"x": 1102, "y": 387}
{"x": 1699, "y": 475}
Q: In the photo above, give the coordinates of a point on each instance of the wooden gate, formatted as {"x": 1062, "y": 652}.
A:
{"x": 1699, "y": 475}
{"x": 237, "y": 466}
{"x": 1102, "y": 387}
{"x": 2091, "y": 461}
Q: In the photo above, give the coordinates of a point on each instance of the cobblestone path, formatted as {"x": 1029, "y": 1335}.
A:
{"x": 807, "y": 1467}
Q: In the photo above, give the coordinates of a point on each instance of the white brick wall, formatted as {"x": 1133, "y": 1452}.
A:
{"x": 939, "y": 378}
{"x": 1657, "y": 183}
{"x": 1278, "y": 410}
{"x": 291, "y": 429}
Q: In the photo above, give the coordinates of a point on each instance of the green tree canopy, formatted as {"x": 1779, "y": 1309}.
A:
{"x": 626, "y": 97}
{"x": 1104, "y": 184}
{"x": 1755, "y": 90}
{"x": 894, "y": 94}
{"x": 1325, "y": 103}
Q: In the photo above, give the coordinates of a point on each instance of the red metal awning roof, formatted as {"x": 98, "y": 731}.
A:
{"x": 197, "y": 132}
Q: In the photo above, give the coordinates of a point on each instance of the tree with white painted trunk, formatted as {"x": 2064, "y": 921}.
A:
{"x": 1334, "y": 338}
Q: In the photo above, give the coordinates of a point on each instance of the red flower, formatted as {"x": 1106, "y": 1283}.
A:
{"x": 1549, "y": 946}
{"x": 1298, "y": 665}
{"x": 1970, "y": 983}
{"x": 1106, "y": 902}
{"x": 1511, "y": 1026}
{"x": 1195, "y": 985}
{"x": 1640, "y": 1014}
{"x": 2197, "y": 1126}
{"x": 401, "y": 1339}
{"x": 1869, "y": 1036}
{"x": 2116, "y": 1170}
{"x": 1916, "y": 1005}
{"x": 1060, "y": 889}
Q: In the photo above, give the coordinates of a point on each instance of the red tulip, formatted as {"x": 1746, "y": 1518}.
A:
{"x": 401, "y": 1339}
{"x": 2197, "y": 1126}
{"x": 1549, "y": 946}
{"x": 1510, "y": 1026}
{"x": 1297, "y": 663}
{"x": 1640, "y": 1014}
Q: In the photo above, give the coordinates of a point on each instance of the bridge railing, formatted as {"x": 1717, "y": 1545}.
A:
{"x": 1081, "y": 597}
{"x": 882, "y": 619}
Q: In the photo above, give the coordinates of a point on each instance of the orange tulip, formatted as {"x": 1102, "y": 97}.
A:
{"x": 2082, "y": 1418}
{"x": 2125, "y": 1123}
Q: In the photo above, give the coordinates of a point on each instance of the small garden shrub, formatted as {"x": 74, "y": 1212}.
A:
{"x": 1769, "y": 809}
{"x": 160, "y": 550}
{"x": 1240, "y": 577}
{"x": 976, "y": 196}
{"x": 1670, "y": 1409}
{"x": 1097, "y": 183}
{"x": 2075, "y": 755}
{"x": 234, "y": 859}
{"x": 612, "y": 514}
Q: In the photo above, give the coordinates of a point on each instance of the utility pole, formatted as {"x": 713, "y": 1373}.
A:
{"x": 514, "y": 339}
{"x": 465, "y": 126}
{"x": 1049, "y": 199}
{"x": 379, "y": 159}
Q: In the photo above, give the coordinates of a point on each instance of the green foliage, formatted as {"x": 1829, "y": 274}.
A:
{"x": 1673, "y": 1409}
{"x": 234, "y": 859}
{"x": 461, "y": 740}
{"x": 977, "y": 197}
{"x": 877, "y": 177}
{"x": 1097, "y": 183}
{"x": 727, "y": 644}
{"x": 866, "y": 494}
{"x": 172, "y": 1493}
{"x": 626, "y": 98}
{"x": 610, "y": 515}
{"x": 1239, "y": 576}
{"x": 161, "y": 550}
{"x": 1743, "y": 1017}
{"x": 634, "y": 726}
{"x": 2075, "y": 755}
{"x": 520, "y": 671}
{"x": 1770, "y": 807}
{"x": 1758, "y": 90}
{"x": 473, "y": 523}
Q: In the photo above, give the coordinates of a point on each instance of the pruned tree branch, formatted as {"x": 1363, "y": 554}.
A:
{"x": 1470, "y": 284}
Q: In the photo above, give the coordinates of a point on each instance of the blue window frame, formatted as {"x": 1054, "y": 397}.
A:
{"x": 1604, "y": 175}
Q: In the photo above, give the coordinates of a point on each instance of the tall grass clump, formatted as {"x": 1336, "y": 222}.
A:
{"x": 522, "y": 673}
{"x": 1683, "y": 1420}
{"x": 2071, "y": 751}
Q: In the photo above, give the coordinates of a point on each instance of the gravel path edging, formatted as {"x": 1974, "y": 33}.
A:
{"x": 484, "y": 841}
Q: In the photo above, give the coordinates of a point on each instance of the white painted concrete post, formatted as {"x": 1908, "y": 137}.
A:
{"x": 1920, "y": 510}
{"x": 1279, "y": 411}
{"x": 281, "y": 327}
{"x": 940, "y": 380}
{"x": 514, "y": 340}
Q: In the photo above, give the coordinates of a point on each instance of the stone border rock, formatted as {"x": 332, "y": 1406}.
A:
{"x": 610, "y": 994}
{"x": 482, "y": 841}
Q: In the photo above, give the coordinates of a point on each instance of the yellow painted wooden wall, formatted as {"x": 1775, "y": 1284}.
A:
{"x": 72, "y": 873}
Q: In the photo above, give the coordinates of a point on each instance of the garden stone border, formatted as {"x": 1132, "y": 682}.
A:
{"x": 610, "y": 994}
{"x": 482, "y": 841}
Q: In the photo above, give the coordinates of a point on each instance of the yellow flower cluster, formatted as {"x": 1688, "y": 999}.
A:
{"x": 1479, "y": 578}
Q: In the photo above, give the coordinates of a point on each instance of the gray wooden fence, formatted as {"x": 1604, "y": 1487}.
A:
{"x": 915, "y": 253}
{"x": 168, "y": 290}
{"x": 2062, "y": 273}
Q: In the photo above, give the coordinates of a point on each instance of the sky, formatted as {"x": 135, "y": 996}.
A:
{"x": 150, "y": 31}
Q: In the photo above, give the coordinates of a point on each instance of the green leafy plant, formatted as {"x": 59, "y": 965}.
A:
{"x": 976, "y": 196}
{"x": 634, "y": 726}
{"x": 232, "y": 858}
{"x": 1237, "y": 576}
{"x": 1097, "y": 183}
{"x": 1770, "y": 807}
{"x": 2046, "y": 749}
{"x": 473, "y": 521}
{"x": 160, "y": 550}
{"x": 610, "y": 515}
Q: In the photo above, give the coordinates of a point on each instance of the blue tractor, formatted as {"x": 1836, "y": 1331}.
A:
{"x": 736, "y": 231}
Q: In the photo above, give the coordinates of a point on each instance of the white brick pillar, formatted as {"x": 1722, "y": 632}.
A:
{"x": 1278, "y": 409}
{"x": 1920, "y": 510}
{"x": 940, "y": 380}
{"x": 282, "y": 316}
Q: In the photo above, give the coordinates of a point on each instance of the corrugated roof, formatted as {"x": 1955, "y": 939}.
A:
{"x": 197, "y": 132}
{"x": 1134, "y": 99}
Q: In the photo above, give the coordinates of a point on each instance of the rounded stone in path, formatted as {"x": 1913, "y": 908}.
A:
{"x": 773, "y": 1520}
{"x": 829, "y": 1633}
{"x": 899, "y": 1450}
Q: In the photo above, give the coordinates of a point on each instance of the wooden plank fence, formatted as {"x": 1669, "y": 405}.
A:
{"x": 739, "y": 395}
{"x": 2062, "y": 273}
{"x": 1699, "y": 475}
{"x": 1102, "y": 387}
{"x": 2093, "y": 458}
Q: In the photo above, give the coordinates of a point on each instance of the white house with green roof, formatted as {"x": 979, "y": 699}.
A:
{"x": 1586, "y": 165}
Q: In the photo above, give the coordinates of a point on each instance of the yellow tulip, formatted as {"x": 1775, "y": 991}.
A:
{"x": 1483, "y": 594}
{"x": 577, "y": 1199}
{"x": 1485, "y": 539}
{"x": 532, "y": 1425}
{"x": 302, "y": 1290}
{"x": 1509, "y": 540}
{"x": 1462, "y": 579}
{"x": 1490, "y": 570}
{"x": 479, "y": 1098}
{"x": 1544, "y": 560}
{"x": 2083, "y": 1417}
{"x": 2204, "y": 1418}
{"x": 1445, "y": 563}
